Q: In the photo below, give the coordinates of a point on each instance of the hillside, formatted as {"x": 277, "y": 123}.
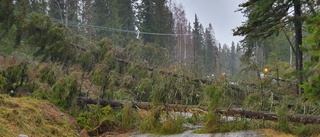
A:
{"x": 33, "y": 118}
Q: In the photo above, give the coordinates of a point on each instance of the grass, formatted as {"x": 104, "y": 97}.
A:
{"x": 274, "y": 133}
{"x": 173, "y": 124}
{"x": 150, "y": 122}
{"x": 33, "y": 118}
{"x": 163, "y": 123}
{"x": 311, "y": 130}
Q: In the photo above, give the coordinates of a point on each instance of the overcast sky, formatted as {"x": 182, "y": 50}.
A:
{"x": 220, "y": 13}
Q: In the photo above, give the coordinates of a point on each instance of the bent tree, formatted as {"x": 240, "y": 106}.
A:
{"x": 268, "y": 17}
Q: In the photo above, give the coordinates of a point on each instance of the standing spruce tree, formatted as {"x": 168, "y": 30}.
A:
{"x": 127, "y": 19}
{"x": 225, "y": 59}
{"x": 146, "y": 17}
{"x": 238, "y": 56}
{"x": 156, "y": 17}
{"x": 198, "y": 37}
{"x": 233, "y": 59}
{"x": 164, "y": 23}
{"x": 268, "y": 17}
{"x": 203, "y": 46}
{"x": 106, "y": 15}
{"x": 211, "y": 51}
{"x": 13, "y": 18}
{"x": 7, "y": 18}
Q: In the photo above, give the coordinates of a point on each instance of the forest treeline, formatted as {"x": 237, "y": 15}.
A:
{"x": 161, "y": 23}
{"x": 188, "y": 44}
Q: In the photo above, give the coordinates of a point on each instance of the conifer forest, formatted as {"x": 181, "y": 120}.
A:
{"x": 141, "y": 67}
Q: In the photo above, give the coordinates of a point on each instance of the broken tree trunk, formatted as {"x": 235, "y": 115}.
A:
{"x": 300, "y": 118}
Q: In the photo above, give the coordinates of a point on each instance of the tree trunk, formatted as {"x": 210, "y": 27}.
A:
{"x": 298, "y": 43}
{"x": 306, "y": 119}
{"x": 290, "y": 56}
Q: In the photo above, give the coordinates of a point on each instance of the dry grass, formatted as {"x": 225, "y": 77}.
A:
{"x": 273, "y": 133}
{"x": 34, "y": 118}
{"x": 143, "y": 113}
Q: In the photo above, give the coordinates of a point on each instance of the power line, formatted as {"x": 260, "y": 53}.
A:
{"x": 76, "y": 24}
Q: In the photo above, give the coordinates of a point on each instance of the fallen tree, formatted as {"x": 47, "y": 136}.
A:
{"x": 149, "y": 68}
{"x": 300, "y": 118}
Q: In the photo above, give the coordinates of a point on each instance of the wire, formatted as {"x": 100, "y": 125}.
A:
{"x": 76, "y": 24}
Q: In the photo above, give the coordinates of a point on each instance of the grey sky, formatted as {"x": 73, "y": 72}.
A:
{"x": 220, "y": 13}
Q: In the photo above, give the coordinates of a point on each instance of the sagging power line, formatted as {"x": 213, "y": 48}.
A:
{"x": 77, "y": 24}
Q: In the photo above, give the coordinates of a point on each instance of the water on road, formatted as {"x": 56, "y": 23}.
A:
{"x": 189, "y": 133}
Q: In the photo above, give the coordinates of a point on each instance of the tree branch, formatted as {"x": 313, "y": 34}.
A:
{"x": 291, "y": 45}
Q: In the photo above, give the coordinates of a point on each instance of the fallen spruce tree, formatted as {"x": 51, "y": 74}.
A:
{"x": 300, "y": 118}
{"x": 149, "y": 68}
